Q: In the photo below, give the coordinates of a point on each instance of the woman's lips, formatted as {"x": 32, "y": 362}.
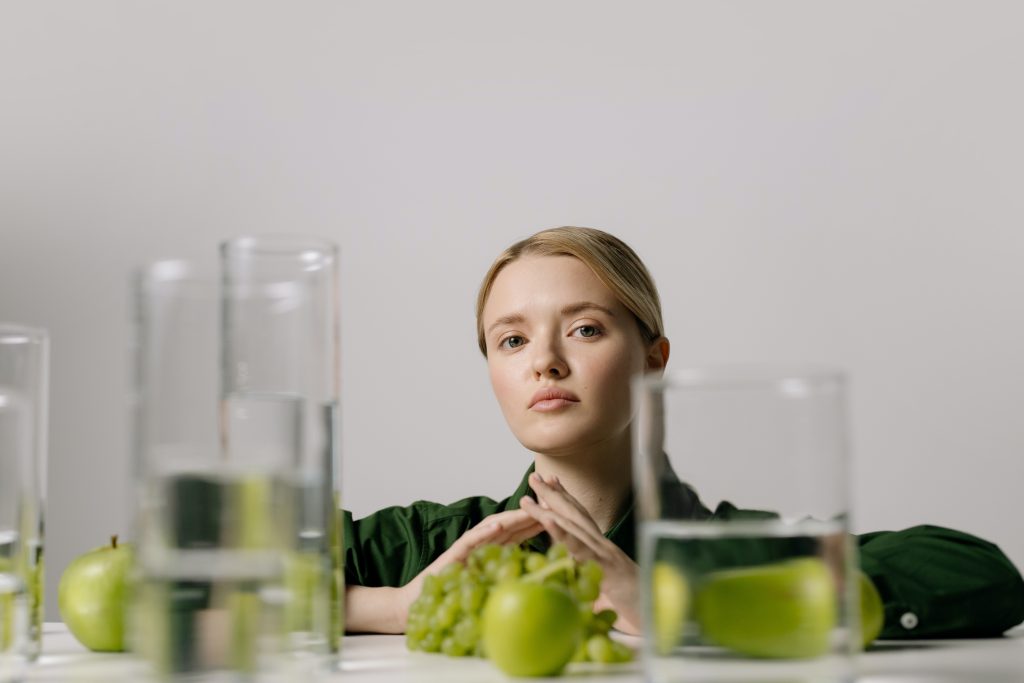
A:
{"x": 549, "y": 404}
{"x": 550, "y": 398}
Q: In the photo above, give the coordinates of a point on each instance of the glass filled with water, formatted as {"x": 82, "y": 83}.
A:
{"x": 281, "y": 361}
{"x": 24, "y": 367}
{"x": 741, "y": 478}
{"x": 214, "y": 515}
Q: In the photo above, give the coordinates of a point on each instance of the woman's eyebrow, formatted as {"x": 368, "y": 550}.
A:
{"x": 510, "y": 319}
{"x": 573, "y": 309}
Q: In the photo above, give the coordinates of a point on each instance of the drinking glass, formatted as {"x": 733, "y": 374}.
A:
{"x": 24, "y": 382}
{"x": 281, "y": 362}
{"x": 213, "y": 516}
{"x": 759, "y": 590}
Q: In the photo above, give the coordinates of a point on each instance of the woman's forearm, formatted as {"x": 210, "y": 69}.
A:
{"x": 374, "y": 610}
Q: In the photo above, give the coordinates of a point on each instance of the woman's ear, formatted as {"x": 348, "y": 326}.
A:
{"x": 657, "y": 355}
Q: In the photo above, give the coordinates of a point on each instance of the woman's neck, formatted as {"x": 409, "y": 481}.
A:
{"x": 600, "y": 477}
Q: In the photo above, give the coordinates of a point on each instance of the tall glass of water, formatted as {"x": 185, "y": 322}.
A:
{"x": 746, "y": 560}
{"x": 281, "y": 361}
{"x": 24, "y": 382}
{"x": 212, "y": 518}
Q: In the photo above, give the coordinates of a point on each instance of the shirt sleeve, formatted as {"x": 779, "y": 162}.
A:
{"x": 940, "y": 583}
{"x": 391, "y": 546}
{"x": 934, "y": 582}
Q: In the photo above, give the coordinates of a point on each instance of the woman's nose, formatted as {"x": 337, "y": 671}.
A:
{"x": 549, "y": 363}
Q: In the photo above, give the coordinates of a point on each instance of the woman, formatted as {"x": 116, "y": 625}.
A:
{"x": 565, "y": 318}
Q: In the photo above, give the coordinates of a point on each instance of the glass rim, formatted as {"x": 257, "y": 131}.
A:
{"x": 278, "y": 244}
{"x": 174, "y": 270}
{"x": 748, "y": 376}
{"x": 16, "y": 333}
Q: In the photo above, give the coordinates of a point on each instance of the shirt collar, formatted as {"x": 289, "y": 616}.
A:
{"x": 523, "y": 490}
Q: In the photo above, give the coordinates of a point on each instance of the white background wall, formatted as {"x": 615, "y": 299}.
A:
{"x": 834, "y": 182}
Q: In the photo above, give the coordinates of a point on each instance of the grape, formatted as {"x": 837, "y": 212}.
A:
{"x": 535, "y": 562}
{"x": 472, "y": 597}
{"x": 431, "y": 642}
{"x": 509, "y": 570}
{"x": 557, "y": 552}
{"x": 416, "y": 628}
{"x": 621, "y": 652}
{"x": 446, "y": 613}
{"x": 445, "y": 617}
{"x": 599, "y": 648}
{"x": 491, "y": 566}
{"x": 587, "y": 590}
{"x": 467, "y": 631}
{"x": 591, "y": 571}
{"x": 451, "y": 647}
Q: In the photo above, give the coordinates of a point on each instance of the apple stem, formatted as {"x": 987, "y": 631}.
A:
{"x": 113, "y": 541}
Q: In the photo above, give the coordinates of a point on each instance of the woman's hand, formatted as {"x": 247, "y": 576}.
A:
{"x": 568, "y": 522}
{"x": 510, "y": 526}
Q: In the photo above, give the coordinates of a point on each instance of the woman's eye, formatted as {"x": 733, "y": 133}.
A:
{"x": 512, "y": 342}
{"x": 588, "y": 331}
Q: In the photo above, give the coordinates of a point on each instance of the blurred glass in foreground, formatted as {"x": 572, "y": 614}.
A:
{"x": 213, "y": 520}
{"x": 758, "y": 592}
{"x": 24, "y": 369}
{"x": 281, "y": 367}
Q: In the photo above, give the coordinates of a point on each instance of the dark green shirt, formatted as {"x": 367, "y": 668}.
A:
{"x": 934, "y": 582}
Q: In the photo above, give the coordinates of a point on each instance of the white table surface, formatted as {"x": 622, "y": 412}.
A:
{"x": 384, "y": 659}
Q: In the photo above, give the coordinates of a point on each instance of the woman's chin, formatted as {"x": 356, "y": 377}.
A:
{"x": 609, "y": 433}
{"x": 562, "y": 444}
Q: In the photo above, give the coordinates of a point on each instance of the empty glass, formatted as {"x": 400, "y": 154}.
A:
{"x": 760, "y": 590}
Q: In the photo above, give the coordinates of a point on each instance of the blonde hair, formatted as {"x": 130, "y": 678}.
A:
{"x": 612, "y": 261}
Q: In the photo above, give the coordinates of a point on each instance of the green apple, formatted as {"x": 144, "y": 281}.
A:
{"x": 6, "y": 607}
{"x": 872, "y": 613}
{"x": 20, "y": 578}
{"x": 244, "y": 612}
{"x": 303, "y": 577}
{"x": 530, "y": 628}
{"x": 670, "y": 600}
{"x": 780, "y": 610}
{"x": 92, "y": 594}
{"x": 254, "y": 500}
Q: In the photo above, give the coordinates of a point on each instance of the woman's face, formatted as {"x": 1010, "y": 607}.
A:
{"x": 561, "y": 350}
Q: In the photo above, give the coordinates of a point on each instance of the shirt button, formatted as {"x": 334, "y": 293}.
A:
{"x": 908, "y": 620}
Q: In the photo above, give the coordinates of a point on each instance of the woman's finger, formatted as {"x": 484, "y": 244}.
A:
{"x": 508, "y": 522}
{"x": 563, "y": 530}
{"x": 580, "y": 523}
{"x": 556, "y": 484}
{"x": 503, "y": 527}
{"x": 551, "y": 525}
{"x": 517, "y": 526}
{"x": 561, "y": 501}
{"x": 519, "y": 534}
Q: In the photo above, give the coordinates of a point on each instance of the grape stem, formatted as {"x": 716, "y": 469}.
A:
{"x": 566, "y": 563}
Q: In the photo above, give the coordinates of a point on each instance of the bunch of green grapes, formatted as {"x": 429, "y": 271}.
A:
{"x": 446, "y": 617}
